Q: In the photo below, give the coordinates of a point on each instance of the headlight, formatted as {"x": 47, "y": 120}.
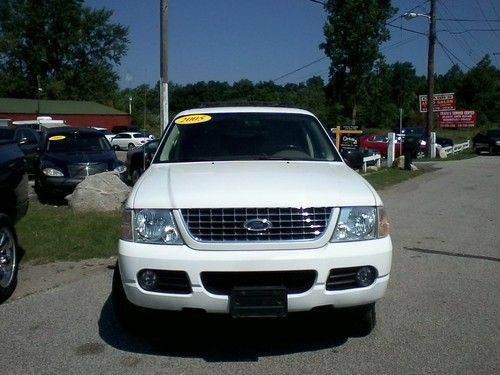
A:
{"x": 120, "y": 169}
{"x": 361, "y": 223}
{"x": 150, "y": 226}
{"x": 52, "y": 172}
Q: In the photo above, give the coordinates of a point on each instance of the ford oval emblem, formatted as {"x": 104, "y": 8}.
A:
{"x": 257, "y": 225}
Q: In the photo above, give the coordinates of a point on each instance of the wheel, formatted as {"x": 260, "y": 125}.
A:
{"x": 8, "y": 258}
{"x": 362, "y": 319}
{"x": 491, "y": 150}
{"x": 130, "y": 316}
{"x": 136, "y": 173}
{"x": 420, "y": 154}
{"x": 131, "y": 146}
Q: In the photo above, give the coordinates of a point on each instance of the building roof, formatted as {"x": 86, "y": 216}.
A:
{"x": 56, "y": 107}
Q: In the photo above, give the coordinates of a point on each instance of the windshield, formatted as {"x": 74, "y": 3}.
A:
{"x": 72, "y": 142}
{"x": 246, "y": 136}
{"x": 7, "y": 134}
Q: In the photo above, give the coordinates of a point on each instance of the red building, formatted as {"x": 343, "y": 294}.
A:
{"x": 73, "y": 113}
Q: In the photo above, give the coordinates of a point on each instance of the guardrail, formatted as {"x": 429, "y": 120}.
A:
{"x": 366, "y": 159}
{"x": 456, "y": 148}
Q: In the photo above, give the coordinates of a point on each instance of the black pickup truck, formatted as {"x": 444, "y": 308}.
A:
{"x": 14, "y": 201}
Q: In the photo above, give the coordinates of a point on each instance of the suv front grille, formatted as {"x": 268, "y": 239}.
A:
{"x": 273, "y": 224}
{"x": 84, "y": 170}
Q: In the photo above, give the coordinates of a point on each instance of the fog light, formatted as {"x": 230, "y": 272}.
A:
{"x": 365, "y": 276}
{"x": 148, "y": 279}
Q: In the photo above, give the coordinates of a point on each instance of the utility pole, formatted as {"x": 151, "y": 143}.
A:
{"x": 430, "y": 79}
{"x": 164, "y": 64}
{"x": 38, "y": 95}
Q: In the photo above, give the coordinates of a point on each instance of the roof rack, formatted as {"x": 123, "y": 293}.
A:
{"x": 243, "y": 103}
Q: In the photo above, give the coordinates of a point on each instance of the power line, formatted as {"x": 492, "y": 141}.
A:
{"x": 466, "y": 20}
{"x": 451, "y": 53}
{"x": 299, "y": 69}
{"x": 467, "y": 31}
{"x": 405, "y": 29}
{"x": 318, "y": 2}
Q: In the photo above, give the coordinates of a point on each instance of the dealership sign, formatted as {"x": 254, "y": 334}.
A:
{"x": 457, "y": 119}
{"x": 442, "y": 102}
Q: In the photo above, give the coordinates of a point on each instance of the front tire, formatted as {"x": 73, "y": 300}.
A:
{"x": 130, "y": 316}
{"x": 361, "y": 319}
{"x": 8, "y": 258}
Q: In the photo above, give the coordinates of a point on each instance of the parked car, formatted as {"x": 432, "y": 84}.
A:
{"x": 251, "y": 211}
{"x": 109, "y": 136}
{"x": 487, "y": 140}
{"x": 14, "y": 203}
{"x": 129, "y": 140}
{"x": 68, "y": 155}
{"x": 139, "y": 158}
{"x": 28, "y": 141}
{"x": 421, "y": 132}
{"x": 380, "y": 143}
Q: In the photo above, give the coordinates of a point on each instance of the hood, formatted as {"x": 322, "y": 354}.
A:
{"x": 251, "y": 184}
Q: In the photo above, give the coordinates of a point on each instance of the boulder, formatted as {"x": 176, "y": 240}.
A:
{"x": 372, "y": 168}
{"x": 100, "y": 192}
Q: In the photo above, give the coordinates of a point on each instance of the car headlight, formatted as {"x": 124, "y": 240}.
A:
{"x": 120, "y": 169}
{"x": 150, "y": 226}
{"x": 52, "y": 172}
{"x": 361, "y": 223}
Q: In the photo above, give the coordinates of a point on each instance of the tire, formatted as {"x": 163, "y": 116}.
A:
{"x": 136, "y": 173}
{"x": 9, "y": 258}
{"x": 420, "y": 154}
{"x": 361, "y": 319}
{"x": 130, "y": 316}
{"x": 116, "y": 147}
{"x": 491, "y": 150}
{"x": 131, "y": 146}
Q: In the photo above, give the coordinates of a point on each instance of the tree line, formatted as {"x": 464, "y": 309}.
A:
{"x": 61, "y": 49}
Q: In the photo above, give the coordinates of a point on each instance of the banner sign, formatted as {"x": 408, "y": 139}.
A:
{"x": 442, "y": 102}
{"x": 457, "y": 119}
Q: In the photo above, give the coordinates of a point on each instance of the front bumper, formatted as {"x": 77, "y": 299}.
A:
{"x": 134, "y": 257}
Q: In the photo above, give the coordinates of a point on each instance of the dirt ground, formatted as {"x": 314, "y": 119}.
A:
{"x": 35, "y": 278}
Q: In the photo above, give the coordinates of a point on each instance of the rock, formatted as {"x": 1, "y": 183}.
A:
{"x": 372, "y": 168}
{"x": 100, "y": 192}
{"x": 413, "y": 167}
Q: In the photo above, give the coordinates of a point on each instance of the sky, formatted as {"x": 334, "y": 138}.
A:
{"x": 278, "y": 40}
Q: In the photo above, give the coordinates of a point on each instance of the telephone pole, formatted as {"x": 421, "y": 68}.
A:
{"x": 430, "y": 79}
{"x": 164, "y": 64}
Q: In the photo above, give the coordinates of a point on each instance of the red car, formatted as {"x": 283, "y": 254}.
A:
{"x": 379, "y": 143}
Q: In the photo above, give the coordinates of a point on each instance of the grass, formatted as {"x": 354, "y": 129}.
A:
{"x": 391, "y": 176}
{"x": 49, "y": 233}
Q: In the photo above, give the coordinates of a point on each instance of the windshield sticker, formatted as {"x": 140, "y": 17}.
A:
{"x": 192, "y": 119}
{"x": 57, "y": 138}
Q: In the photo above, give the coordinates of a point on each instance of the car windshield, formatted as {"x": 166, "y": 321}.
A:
{"x": 7, "y": 134}
{"x": 246, "y": 136}
{"x": 73, "y": 142}
{"x": 493, "y": 133}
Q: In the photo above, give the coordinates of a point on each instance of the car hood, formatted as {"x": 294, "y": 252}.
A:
{"x": 251, "y": 184}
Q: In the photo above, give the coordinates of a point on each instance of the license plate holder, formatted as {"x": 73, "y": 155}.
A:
{"x": 256, "y": 302}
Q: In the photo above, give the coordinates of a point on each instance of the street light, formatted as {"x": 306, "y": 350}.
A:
{"x": 430, "y": 72}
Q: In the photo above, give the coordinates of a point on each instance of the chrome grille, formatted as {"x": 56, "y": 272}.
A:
{"x": 83, "y": 170}
{"x": 228, "y": 224}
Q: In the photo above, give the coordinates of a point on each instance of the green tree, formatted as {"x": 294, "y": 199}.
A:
{"x": 480, "y": 91}
{"x": 70, "y": 49}
{"x": 354, "y": 31}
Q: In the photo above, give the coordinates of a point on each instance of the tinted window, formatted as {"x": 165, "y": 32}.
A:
{"x": 6, "y": 134}
{"x": 89, "y": 142}
{"x": 248, "y": 136}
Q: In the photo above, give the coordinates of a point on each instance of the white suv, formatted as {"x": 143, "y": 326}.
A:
{"x": 251, "y": 211}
